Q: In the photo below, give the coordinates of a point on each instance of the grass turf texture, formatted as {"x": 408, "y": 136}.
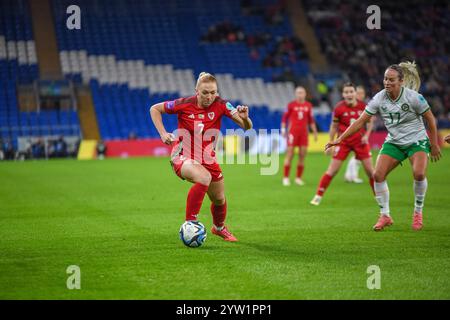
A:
{"x": 119, "y": 219}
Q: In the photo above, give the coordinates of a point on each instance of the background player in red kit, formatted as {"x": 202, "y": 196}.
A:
{"x": 345, "y": 113}
{"x": 193, "y": 157}
{"x": 353, "y": 165}
{"x": 299, "y": 116}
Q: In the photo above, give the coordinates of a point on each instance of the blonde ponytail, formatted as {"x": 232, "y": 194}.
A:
{"x": 411, "y": 78}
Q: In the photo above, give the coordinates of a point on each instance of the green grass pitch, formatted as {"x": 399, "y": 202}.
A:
{"x": 118, "y": 220}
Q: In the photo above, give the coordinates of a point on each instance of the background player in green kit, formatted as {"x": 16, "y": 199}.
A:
{"x": 402, "y": 109}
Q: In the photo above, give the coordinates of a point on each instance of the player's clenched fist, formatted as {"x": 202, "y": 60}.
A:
{"x": 243, "y": 111}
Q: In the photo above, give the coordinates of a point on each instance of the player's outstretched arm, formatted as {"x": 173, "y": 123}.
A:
{"x": 242, "y": 119}
{"x": 332, "y": 133}
{"x": 435, "y": 149}
{"x": 354, "y": 127}
{"x": 370, "y": 125}
{"x": 156, "y": 112}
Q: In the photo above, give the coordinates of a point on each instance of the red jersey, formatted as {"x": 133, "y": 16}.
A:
{"x": 299, "y": 115}
{"x": 196, "y": 122}
{"x": 345, "y": 115}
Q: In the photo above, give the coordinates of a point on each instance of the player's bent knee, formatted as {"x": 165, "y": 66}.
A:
{"x": 379, "y": 176}
{"x": 197, "y": 174}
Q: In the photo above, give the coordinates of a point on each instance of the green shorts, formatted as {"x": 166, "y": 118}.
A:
{"x": 401, "y": 153}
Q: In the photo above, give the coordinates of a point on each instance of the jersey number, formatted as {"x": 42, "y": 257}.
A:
{"x": 200, "y": 126}
{"x": 300, "y": 115}
{"x": 394, "y": 116}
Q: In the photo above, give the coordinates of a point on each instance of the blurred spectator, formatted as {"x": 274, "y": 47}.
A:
{"x": 38, "y": 149}
{"x": 273, "y": 14}
{"x": 224, "y": 32}
{"x": 50, "y": 145}
{"x": 26, "y": 153}
{"x": 60, "y": 148}
{"x": 101, "y": 150}
{"x": 8, "y": 150}
{"x": 322, "y": 89}
{"x": 287, "y": 51}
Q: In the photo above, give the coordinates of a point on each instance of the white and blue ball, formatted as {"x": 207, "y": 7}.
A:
{"x": 193, "y": 233}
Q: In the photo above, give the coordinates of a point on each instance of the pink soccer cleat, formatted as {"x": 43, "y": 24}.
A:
{"x": 383, "y": 221}
{"x": 417, "y": 221}
{"x": 224, "y": 233}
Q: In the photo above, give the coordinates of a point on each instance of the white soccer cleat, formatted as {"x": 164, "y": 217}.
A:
{"x": 357, "y": 180}
{"x": 286, "y": 182}
{"x": 351, "y": 179}
{"x": 299, "y": 181}
{"x": 316, "y": 200}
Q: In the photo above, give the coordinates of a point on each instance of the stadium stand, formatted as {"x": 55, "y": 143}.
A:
{"x": 18, "y": 65}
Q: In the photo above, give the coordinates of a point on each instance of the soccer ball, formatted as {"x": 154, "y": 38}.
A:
{"x": 193, "y": 233}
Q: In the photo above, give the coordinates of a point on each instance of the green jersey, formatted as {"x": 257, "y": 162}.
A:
{"x": 402, "y": 117}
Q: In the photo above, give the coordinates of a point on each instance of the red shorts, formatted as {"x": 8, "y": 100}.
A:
{"x": 297, "y": 139}
{"x": 214, "y": 168}
{"x": 362, "y": 151}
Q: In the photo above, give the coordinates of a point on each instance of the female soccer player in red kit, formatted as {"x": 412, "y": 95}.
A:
{"x": 299, "y": 115}
{"x": 345, "y": 113}
{"x": 199, "y": 117}
{"x": 353, "y": 165}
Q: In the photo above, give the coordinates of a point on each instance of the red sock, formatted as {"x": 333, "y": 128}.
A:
{"x": 372, "y": 184}
{"x": 324, "y": 183}
{"x": 219, "y": 213}
{"x": 300, "y": 170}
{"x": 195, "y": 200}
{"x": 286, "y": 171}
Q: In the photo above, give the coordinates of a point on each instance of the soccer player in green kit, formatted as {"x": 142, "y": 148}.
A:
{"x": 402, "y": 109}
